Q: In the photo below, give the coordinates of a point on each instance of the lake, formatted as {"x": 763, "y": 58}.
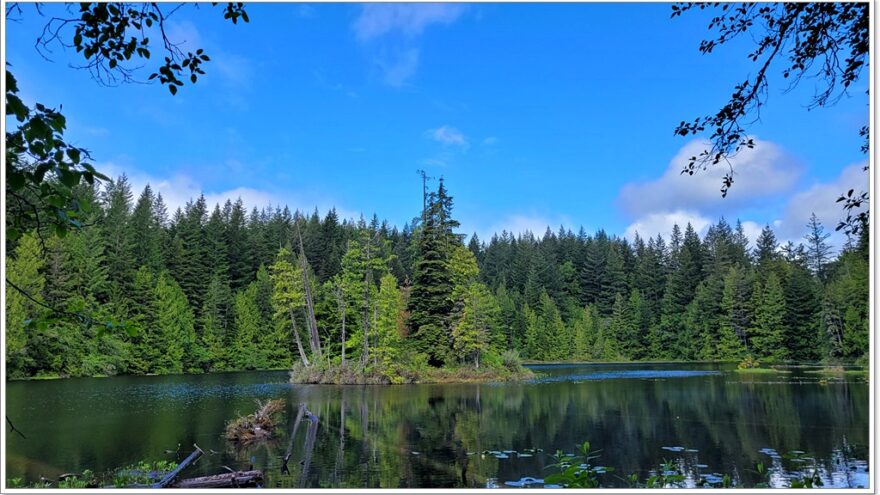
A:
{"x": 706, "y": 418}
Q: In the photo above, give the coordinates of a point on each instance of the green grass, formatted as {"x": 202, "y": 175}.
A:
{"x": 839, "y": 371}
{"x": 354, "y": 375}
{"x": 758, "y": 371}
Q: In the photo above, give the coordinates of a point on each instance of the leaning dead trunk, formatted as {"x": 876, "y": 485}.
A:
{"x": 314, "y": 338}
{"x": 299, "y": 346}
{"x": 340, "y": 302}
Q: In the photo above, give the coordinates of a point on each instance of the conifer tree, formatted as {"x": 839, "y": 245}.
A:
{"x": 801, "y": 313}
{"x": 248, "y": 324}
{"x": 768, "y": 326}
{"x": 146, "y": 232}
{"x": 473, "y": 333}
{"x": 818, "y": 250}
{"x": 22, "y": 270}
{"x": 118, "y": 240}
{"x": 734, "y": 318}
{"x": 288, "y": 296}
{"x": 175, "y": 322}
{"x": 621, "y": 327}
{"x": 216, "y": 323}
{"x": 389, "y": 322}
{"x": 430, "y": 300}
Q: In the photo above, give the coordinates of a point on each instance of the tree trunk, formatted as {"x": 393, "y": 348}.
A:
{"x": 314, "y": 338}
{"x": 343, "y": 335}
{"x": 367, "y": 280}
{"x": 170, "y": 477}
{"x": 299, "y": 346}
{"x": 239, "y": 479}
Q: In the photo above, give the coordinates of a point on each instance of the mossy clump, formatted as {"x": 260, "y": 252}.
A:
{"x": 257, "y": 426}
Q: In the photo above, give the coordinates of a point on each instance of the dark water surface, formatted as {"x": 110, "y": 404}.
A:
{"x": 704, "y": 417}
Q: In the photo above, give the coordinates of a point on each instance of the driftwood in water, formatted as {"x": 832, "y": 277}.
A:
{"x": 238, "y": 479}
{"x": 299, "y": 416}
{"x": 257, "y": 426}
{"x": 170, "y": 477}
{"x": 309, "y": 447}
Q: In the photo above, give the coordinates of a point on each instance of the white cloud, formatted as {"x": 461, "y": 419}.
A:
{"x": 821, "y": 199}
{"x": 752, "y": 230}
{"x": 178, "y": 189}
{"x": 662, "y": 223}
{"x": 760, "y": 173}
{"x": 448, "y": 136}
{"x": 491, "y": 140}
{"x": 399, "y": 67}
{"x": 517, "y": 224}
{"x": 398, "y": 59}
{"x": 378, "y": 19}
{"x": 305, "y": 11}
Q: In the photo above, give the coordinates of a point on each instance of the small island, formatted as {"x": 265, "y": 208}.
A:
{"x": 443, "y": 327}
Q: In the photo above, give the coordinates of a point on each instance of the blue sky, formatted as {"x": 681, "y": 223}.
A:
{"x": 535, "y": 115}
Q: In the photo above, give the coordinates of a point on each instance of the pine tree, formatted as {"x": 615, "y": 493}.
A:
{"x": 818, "y": 251}
{"x": 175, "y": 322}
{"x": 216, "y": 325}
{"x": 473, "y": 333}
{"x": 119, "y": 244}
{"x": 146, "y": 232}
{"x": 621, "y": 328}
{"x": 22, "y": 270}
{"x": 734, "y": 319}
{"x": 430, "y": 300}
{"x": 768, "y": 326}
{"x": 636, "y": 339}
{"x": 535, "y": 334}
{"x": 585, "y": 328}
{"x": 389, "y": 322}
{"x": 766, "y": 248}
{"x": 801, "y": 313}
{"x": 248, "y": 324}
{"x": 288, "y": 297}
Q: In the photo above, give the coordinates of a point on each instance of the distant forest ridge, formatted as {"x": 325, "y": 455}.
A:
{"x": 198, "y": 290}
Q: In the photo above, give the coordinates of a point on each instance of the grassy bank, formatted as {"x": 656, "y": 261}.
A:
{"x": 354, "y": 374}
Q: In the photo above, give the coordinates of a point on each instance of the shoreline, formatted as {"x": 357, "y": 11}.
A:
{"x": 827, "y": 368}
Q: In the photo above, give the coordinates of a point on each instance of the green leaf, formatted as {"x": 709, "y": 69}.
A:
{"x": 69, "y": 178}
{"x": 12, "y": 234}
{"x": 15, "y": 180}
{"x": 14, "y": 106}
{"x": 73, "y": 154}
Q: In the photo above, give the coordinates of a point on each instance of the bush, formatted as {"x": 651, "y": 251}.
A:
{"x": 748, "y": 362}
{"x": 492, "y": 360}
{"x": 511, "y": 359}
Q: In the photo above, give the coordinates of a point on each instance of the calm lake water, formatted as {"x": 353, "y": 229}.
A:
{"x": 704, "y": 417}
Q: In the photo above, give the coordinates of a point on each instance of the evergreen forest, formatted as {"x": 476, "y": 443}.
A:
{"x": 141, "y": 290}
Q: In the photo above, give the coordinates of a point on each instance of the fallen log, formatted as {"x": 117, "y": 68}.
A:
{"x": 238, "y": 479}
{"x": 169, "y": 478}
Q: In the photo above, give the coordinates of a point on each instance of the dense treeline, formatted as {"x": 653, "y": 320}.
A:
{"x": 224, "y": 288}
